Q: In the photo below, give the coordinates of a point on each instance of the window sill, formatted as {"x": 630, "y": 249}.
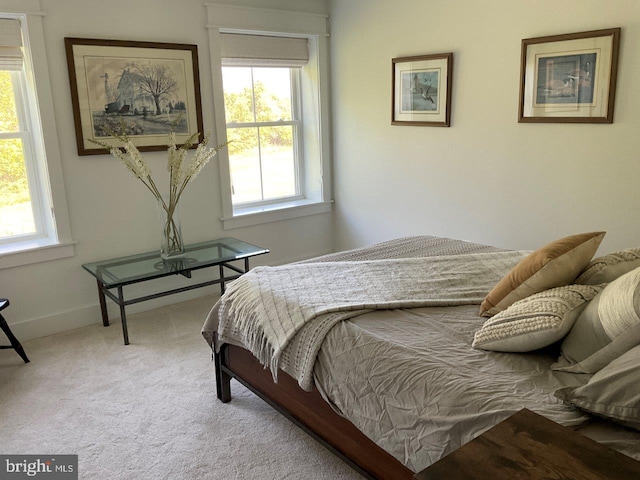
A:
{"x": 34, "y": 251}
{"x": 244, "y": 217}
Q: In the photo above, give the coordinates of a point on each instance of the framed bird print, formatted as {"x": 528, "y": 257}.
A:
{"x": 569, "y": 78}
{"x": 421, "y": 90}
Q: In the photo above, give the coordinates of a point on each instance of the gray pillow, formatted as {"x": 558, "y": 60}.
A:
{"x": 536, "y": 321}
{"x": 606, "y": 269}
{"x": 608, "y": 327}
{"x": 613, "y": 392}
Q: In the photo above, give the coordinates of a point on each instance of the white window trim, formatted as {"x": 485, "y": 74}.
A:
{"x": 262, "y": 21}
{"x": 276, "y": 212}
{"x": 40, "y": 250}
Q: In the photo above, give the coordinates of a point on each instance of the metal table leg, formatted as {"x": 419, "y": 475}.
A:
{"x": 221, "y": 270}
{"x": 103, "y": 304}
{"x": 123, "y": 316}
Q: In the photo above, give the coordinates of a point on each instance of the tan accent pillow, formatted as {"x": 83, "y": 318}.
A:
{"x": 536, "y": 321}
{"x": 553, "y": 265}
{"x": 606, "y": 269}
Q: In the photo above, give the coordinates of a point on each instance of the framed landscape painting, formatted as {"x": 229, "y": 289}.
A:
{"x": 421, "y": 90}
{"x": 569, "y": 78}
{"x": 142, "y": 89}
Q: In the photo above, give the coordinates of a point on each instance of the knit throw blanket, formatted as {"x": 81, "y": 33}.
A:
{"x": 281, "y": 314}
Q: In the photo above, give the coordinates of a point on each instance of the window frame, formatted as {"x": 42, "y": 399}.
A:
{"x": 315, "y": 108}
{"x": 45, "y": 176}
{"x": 296, "y": 123}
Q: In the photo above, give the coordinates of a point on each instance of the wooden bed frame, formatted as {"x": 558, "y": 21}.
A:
{"x": 309, "y": 411}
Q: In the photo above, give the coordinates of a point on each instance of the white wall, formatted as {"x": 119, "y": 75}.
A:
{"x": 111, "y": 213}
{"x": 486, "y": 178}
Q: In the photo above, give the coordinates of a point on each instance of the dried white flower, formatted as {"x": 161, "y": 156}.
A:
{"x": 179, "y": 174}
{"x": 200, "y": 158}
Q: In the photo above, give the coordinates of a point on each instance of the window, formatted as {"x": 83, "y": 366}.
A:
{"x": 261, "y": 83}
{"x": 20, "y": 208}
{"x": 263, "y": 125}
{"x": 270, "y": 93}
{"x": 27, "y": 221}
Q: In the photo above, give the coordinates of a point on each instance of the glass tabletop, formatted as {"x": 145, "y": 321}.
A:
{"x": 145, "y": 266}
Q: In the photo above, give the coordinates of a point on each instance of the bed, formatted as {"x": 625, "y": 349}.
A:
{"x": 380, "y": 352}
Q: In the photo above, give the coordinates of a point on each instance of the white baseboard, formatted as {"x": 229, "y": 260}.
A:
{"x": 51, "y": 324}
{"x": 91, "y": 315}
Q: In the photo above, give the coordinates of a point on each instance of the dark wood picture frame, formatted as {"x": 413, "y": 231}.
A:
{"x": 146, "y": 89}
{"x": 569, "y": 78}
{"x": 421, "y": 90}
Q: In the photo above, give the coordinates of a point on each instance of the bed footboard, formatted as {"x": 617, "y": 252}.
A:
{"x": 307, "y": 410}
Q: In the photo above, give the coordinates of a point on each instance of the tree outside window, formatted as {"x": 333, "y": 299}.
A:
{"x": 15, "y": 199}
{"x": 260, "y": 107}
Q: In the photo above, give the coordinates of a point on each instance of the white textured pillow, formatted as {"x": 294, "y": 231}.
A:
{"x": 607, "y": 328}
{"x": 609, "y": 267}
{"x": 536, "y": 321}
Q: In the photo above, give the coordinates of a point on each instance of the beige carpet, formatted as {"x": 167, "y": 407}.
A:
{"x": 148, "y": 410}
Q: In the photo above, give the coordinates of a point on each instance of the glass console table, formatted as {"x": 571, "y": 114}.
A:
{"x": 116, "y": 273}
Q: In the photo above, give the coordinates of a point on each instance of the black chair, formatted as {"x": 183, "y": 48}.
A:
{"x": 15, "y": 344}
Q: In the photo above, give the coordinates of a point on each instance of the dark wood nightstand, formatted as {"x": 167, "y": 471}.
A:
{"x": 527, "y": 446}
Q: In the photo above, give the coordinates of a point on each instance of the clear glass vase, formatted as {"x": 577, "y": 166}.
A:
{"x": 171, "y": 242}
